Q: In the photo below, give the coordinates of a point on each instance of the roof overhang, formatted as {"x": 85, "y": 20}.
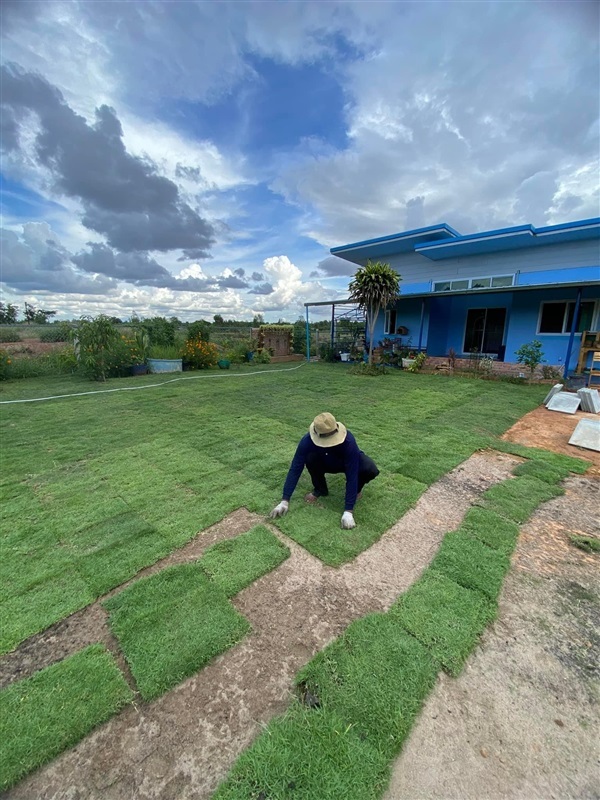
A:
{"x": 406, "y": 242}
{"x": 471, "y": 292}
{"x": 510, "y": 239}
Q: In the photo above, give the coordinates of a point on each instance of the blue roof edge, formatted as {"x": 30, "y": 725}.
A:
{"x": 403, "y": 235}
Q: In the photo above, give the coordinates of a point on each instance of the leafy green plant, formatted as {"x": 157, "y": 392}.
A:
{"x": 418, "y": 362}
{"x": 96, "y": 344}
{"x": 530, "y": 355}
{"x": 374, "y": 287}
{"x": 5, "y": 362}
{"x": 161, "y": 331}
{"x": 550, "y": 373}
{"x": 199, "y": 330}
{"x": 166, "y": 351}
{"x": 264, "y": 357}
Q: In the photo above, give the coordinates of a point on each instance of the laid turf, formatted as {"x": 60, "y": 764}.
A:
{"x": 445, "y": 617}
{"x": 543, "y": 470}
{"x": 55, "y": 708}
{"x": 491, "y": 529}
{"x": 517, "y": 499}
{"x": 104, "y": 485}
{"x": 171, "y": 624}
{"x": 464, "y": 559}
{"x": 304, "y": 755}
{"x": 375, "y": 677}
{"x": 236, "y": 563}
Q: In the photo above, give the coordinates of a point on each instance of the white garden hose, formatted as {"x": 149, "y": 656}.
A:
{"x": 153, "y": 385}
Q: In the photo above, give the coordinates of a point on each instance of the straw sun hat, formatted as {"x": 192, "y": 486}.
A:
{"x": 326, "y": 431}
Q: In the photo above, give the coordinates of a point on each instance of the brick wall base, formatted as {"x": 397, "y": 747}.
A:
{"x": 437, "y": 363}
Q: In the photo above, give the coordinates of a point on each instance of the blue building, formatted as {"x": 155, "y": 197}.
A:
{"x": 491, "y": 292}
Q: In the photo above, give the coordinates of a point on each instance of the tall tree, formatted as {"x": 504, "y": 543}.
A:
{"x": 8, "y": 314}
{"x": 374, "y": 287}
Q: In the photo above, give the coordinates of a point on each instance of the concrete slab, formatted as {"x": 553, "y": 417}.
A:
{"x": 587, "y": 434}
{"x": 565, "y": 402}
{"x": 558, "y": 387}
{"x": 590, "y": 400}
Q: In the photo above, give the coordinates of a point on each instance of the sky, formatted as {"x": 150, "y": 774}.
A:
{"x": 198, "y": 158}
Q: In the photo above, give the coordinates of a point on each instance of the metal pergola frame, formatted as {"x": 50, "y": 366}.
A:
{"x": 344, "y": 315}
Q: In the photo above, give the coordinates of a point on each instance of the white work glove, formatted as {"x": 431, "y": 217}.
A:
{"x": 280, "y": 510}
{"x": 348, "y": 520}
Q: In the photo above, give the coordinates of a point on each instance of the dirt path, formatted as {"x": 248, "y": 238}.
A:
{"x": 182, "y": 745}
{"x": 522, "y": 720}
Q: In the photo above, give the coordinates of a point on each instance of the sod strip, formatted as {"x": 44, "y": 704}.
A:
{"x": 305, "y": 755}
{"x": 543, "y": 471}
{"x": 171, "y": 624}
{"x": 471, "y": 564}
{"x": 43, "y": 715}
{"x": 375, "y": 677}
{"x": 236, "y": 563}
{"x": 491, "y": 529}
{"x": 445, "y": 617}
{"x": 517, "y": 499}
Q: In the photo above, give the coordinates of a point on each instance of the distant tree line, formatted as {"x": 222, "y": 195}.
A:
{"x": 9, "y": 314}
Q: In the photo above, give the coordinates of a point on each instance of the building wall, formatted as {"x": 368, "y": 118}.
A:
{"x": 415, "y": 268}
{"x": 445, "y": 319}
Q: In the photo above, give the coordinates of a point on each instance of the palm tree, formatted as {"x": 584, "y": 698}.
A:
{"x": 374, "y": 287}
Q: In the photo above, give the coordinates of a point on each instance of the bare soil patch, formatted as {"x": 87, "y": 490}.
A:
{"x": 551, "y": 430}
{"x": 182, "y": 745}
{"x": 29, "y": 346}
{"x": 522, "y": 719}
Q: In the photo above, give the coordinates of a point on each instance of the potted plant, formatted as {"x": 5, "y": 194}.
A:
{"x": 409, "y": 359}
{"x": 139, "y": 350}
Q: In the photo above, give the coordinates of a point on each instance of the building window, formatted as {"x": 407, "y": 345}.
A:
{"x": 390, "y": 321}
{"x": 558, "y": 317}
{"x": 494, "y": 282}
{"x": 484, "y": 330}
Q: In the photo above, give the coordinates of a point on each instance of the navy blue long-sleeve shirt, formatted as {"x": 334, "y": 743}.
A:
{"x": 344, "y": 457}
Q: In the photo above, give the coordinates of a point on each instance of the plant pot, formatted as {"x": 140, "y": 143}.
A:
{"x": 165, "y": 364}
{"x": 407, "y": 362}
{"x": 345, "y": 356}
{"x": 139, "y": 369}
{"x": 224, "y": 363}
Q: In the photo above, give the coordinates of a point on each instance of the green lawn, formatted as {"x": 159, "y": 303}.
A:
{"x": 55, "y": 708}
{"x": 94, "y": 488}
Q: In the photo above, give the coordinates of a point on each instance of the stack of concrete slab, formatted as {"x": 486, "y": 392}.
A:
{"x": 590, "y": 400}
{"x": 587, "y": 434}
{"x": 558, "y": 387}
{"x": 566, "y": 402}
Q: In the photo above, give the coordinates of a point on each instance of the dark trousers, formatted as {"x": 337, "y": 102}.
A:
{"x": 367, "y": 470}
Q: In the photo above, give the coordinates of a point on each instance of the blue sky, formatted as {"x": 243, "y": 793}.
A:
{"x": 189, "y": 159}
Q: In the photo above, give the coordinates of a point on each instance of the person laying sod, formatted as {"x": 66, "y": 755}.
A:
{"x": 328, "y": 447}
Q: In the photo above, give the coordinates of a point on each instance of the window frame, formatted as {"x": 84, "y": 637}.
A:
{"x": 470, "y": 281}
{"x": 565, "y": 330}
{"x": 387, "y": 319}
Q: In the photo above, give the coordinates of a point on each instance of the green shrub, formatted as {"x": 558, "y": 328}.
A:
{"x": 198, "y": 330}
{"x": 161, "y": 331}
{"x": 99, "y": 347}
{"x": 264, "y": 357}
{"x": 200, "y": 354}
{"x": 7, "y": 335}
{"x": 237, "y": 352}
{"x": 57, "y": 333}
{"x": 5, "y": 365}
{"x": 167, "y": 351}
